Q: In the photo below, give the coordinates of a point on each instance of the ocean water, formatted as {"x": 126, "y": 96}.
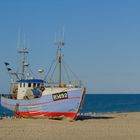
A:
{"x": 106, "y": 103}
{"x": 102, "y": 103}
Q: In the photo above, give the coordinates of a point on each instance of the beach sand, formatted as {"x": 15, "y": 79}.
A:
{"x": 115, "y": 126}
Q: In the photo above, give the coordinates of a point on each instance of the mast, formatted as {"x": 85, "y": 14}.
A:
{"x": 60, "y": 72}
{"x": 60, "y": 43}
{"x": 23, "y": 52}
{"x": 59, "y": 57}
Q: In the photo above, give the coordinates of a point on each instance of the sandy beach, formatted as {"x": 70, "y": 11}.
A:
{"x": 116, "y": 126}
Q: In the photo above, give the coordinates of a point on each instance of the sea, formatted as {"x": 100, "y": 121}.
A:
{"x": 102, "y": 103}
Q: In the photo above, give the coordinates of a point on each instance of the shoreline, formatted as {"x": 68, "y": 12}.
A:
{"x": 110, "y": 126}
{"x": 80, "y": 114}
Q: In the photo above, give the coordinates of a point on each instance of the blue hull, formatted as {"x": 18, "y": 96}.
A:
{"x": 47, "y": 105}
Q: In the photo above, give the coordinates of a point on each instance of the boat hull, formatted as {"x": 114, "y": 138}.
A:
{"x": 52, "y": 105}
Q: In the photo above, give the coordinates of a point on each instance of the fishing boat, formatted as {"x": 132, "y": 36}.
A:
{"x": 38, "y": 98}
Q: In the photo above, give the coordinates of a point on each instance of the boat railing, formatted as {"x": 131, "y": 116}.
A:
{"x": 69, "y": 84}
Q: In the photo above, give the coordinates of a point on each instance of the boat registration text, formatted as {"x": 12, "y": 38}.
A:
{"x": 60, "y": 96}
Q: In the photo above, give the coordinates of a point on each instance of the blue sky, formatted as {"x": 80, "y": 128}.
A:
{"x": 102, "y": 39}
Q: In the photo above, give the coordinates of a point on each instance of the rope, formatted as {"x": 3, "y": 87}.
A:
{"x": 45, "y": 78}
{"x": 72, "y": 72}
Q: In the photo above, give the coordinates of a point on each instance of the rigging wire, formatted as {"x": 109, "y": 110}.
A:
{"x": 51, "y": 71}
{"x": 71, "y": 71}
{"x": 32, "y": 73}
{"x": 67, "y": 74}
{"x": 45, "y": 78}
{"x": 51, "y": 76}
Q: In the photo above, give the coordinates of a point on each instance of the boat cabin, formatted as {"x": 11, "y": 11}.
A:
{"x": 29, "y": 87}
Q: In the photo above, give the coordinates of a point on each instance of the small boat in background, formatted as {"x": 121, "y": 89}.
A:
{"x": 36, "y": 98}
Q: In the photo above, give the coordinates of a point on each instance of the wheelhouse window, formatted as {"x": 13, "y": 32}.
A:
{"x": 23, "y": 84}
{"x": 20, "y": 84}
{"x": 34, "y": 85}
{"x": 29, "y": 84}
{"x": 38, "y": 85}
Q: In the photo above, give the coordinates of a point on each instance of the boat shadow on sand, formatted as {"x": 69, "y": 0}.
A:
{"x": 89, "y": 117}
{"x": 79, "y": 118}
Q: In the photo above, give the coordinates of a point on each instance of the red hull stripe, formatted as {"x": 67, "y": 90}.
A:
{"x": 76, "y": 97}
{"x": 71, "y": 115}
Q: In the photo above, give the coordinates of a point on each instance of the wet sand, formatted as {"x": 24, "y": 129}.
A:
{"x": 116, "y": 126}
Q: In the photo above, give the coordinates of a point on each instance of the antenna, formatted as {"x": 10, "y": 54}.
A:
{"x": 23, "y": 52}
{"x": 55, "y": 37}
{"x": 63, "y": 34}
{"x": 18, "y": 41}
{"x": 60, "y": 43}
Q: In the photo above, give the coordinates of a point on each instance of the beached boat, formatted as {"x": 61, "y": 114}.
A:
{"x": 37, "y": 98}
